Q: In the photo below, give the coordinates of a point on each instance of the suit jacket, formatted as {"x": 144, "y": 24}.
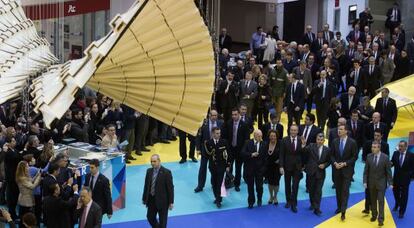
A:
{"x": 404, "y": 173}
{"x": 369, "y": 130}
{"x": 249, "y": 122}
{"x": 373, "y": 80}
{"x": 306, "y": 39}
{"x": 266, "y": 128}
{"x": 345, "y": 109}
{"x": 313, "y": 160}
{"x": 242, "y": 134}
{"x": 358, "y": 134}
{"x": 366, "y": 150}
{"x": 331, "y": 36}
{"x": 288, "y": 159}
{"x": 204, "y": 134}
{"x": 388, "y": 113}
{"x": 65, "y": 191}
{"x": 305, "y": 78}
{"x": 383, "y": 44}
{"x": 250, "y": 91}
{"x": 94, "y": 217}
{"x": 317, "y": 91}
{"x": 360, "y": 84}
{"x": 101, "y": 192}
{"x": 350, "y": 155}
{"x": 316, "y": 46}
{"x": 314, "y": 131}
{"x": 389, "y": 15}
{"x": 227, "y": 42}
{"x": 351, "y": 37}
{"x": 229, "y": 99}
{"x": 377, "y": 175}
{"x": 410, "y": 50}
{"x": 58, "y": 212}
{"x": 254, "y": 164}
{"x": 164, "y": 188}
{"x": 298, "y": 96}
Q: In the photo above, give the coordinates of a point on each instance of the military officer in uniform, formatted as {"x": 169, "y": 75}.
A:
{"x": 217, "y": 153}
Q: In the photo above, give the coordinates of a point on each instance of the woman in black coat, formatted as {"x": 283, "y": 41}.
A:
{"x": 263, "y": 99}
{"x": 272, "y": 173}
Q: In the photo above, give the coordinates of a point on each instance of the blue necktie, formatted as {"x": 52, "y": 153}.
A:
{"x": 401, "y": 159}
{"x": 341, "y": 147}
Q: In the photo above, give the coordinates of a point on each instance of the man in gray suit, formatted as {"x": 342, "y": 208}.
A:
{"x": 377, "y": 174}
{"x": 248, "y": 92}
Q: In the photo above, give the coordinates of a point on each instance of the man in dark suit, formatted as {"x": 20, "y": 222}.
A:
{"x": 385, "y": 148}
{"x": 254, "y": 152}
{"x": 203, "y": 135}
{"x": 323, "y": 91}
{"x": 373, "y": 79}
{"x": 275, "y": 125}
{"x": 376, "y": 123}
{"x": 308, "y": 130}
{"x": 356, "y": 78}
{"x": 11, "y": 159}
{"x": 319, "y": 42}
{"x": 403, "y": 163}
{"x": 248, "y": 92}
{"x": 56, "y": 211}
{"x": 349, "y": 102}
{"x": 88, "y": 213}
{"x": 377, "y": 174}
{"x": 101, "y": 192}
{"x": 383, "y": 42}
{"x": 365, "y": 18}
{"x": 236, "y": 132}
{"x": 317, "y": 158}
{"x": 291, "y": 165}
{"x": 328, "y": 35}
{"x": 343, "y": 157}
{"x": 51, "y": 179}
{"x": 356, "y": 35}
{"x": 309, "y": 36}
{"x": 387, "y": 107}
{"x": 294, "y": 100}
{"x": 356, "y": 127}
{"x": 219, "y": 162}
{"x": 246, "y": 119}
{"x": 182, "y": 135}
{"x": 228, "y": 95}
{"x": 158, "y": 194}
{"x": 393, "y": 18}
{"x": 225, "y": 40}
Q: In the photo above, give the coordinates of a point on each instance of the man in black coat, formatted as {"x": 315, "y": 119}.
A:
{"x": 228, "y": 91}
{"x": 349, "y": 102}
{"x": 344, "y": 153}
{"x": 309, "y": 36}
{"x": 376, "y": 123}
{"x": 158, "y": 193}
{"x": 308, "y": 130}
{"x": 101, "y": 192}
{"x": 56, "y": 211}
{"x": 356, "y": 77}
{"x": 385, "y": 148}
{"x": 88, "y": 218}
{"x": 373, "y": 80}
{"x": 275, "y": 125}
{"x": 356, "y": 127}
{"x": 323, "y": 91}
{"x": 387, "y": 107}
{"x": 216, "y": 150}
{"x": 294, "y": 100}
{"x": 236, "y": 134}
{"x": 291, "y": 165}
{"x": 11, "y": 160}
{"x": 203, "y": 135}
{"x": 317, "y": 157}
{"x": 225, "y": 40}
{"x": 393, "y": 18}
{"x": 403, "y": 163}
{"x": 51, "y": 179}
{"x": 254, "y": 152}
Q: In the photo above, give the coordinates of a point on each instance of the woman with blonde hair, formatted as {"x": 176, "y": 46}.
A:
{"x": 47, "y": 153}
{"x": 256, "y": 72}
{"x": 26, "y": 185}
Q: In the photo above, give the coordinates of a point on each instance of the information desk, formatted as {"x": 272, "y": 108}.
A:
{"x": 112, "y": 165}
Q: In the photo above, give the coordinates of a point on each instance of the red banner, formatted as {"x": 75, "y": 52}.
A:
{"x": 69, "y": 8}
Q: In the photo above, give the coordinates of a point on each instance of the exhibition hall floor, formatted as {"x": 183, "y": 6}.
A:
{"x": 198, "y": 210}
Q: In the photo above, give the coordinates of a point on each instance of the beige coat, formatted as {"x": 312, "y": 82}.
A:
{"x": 26, "y": 186}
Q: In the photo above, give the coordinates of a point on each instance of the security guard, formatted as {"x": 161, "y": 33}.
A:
{"x": 219, "y": 162}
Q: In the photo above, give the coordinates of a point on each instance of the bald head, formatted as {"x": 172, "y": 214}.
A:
{"x": 341, "y": 121}
{"x": 351, "y": 91}
{"x": 376, "y": 117}
{"x": 257, "y": 134}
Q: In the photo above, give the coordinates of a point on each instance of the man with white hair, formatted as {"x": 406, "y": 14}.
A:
{"x": 254, "y": 152}
{"x": 309, "y": 36}
{"x": 225, "y": 40}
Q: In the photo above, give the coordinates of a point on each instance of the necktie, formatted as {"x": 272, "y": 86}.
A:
{"x": 91, "y": 184}
{"x": 154, "y": 178}
{"x": 310, "y": 37}
{"x": 385, "y": 103}
{"x": 354, "y": 128}
{"x": 320, "y": 42}
{"x": 83, "y": 221}
{"x": 371, "y": 69}
{"x": 341, "y": 147}
{"x": 350, "y": 102}
{"x": 356, "y": 36}
{"x": 356, "y": 77}
{"x": 327, "y": 36}
{"x": 292, "y": 146}
{"x": 234, "y": 140}
{"x": 401, "y": 159}
{"x": 305, "y": 134}
{"x": 246, "y": 85}
{"x": 376, "y": 160}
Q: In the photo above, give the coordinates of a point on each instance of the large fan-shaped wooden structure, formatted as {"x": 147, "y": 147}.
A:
{"x": 158, "y": 59}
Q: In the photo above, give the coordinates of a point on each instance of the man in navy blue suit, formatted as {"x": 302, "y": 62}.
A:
{"x": 294, "y": 100}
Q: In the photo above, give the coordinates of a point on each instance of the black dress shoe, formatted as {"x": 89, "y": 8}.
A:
{"x": 307, "y": 190}
{"x": 294, "y": 209}
{"x": 145, "y": 149}
{"x": 198, "y": 190}
{"x": 250, "y": 206}
{"x": 215, "y": 201}
{"x": 287, "y": 205}
{"x": 259, "y": 203}
{"x": 337, "y": 211}
{"x": 270, "y": 202}
{"x": 365, "y": 211}
{"x": 317, "y": 212}
{"x": 401, "y": 216}
{"x": 373, "y": 219}
{"x": 343, "y": 216}
{"x": 311, "y": 208}
{"x": 237, "y": 188}
{"x": 138, "y": 153}
{"x": 395, "y": 208}
{"x": 164, "y": 141}
{"x": 380, "y": 223}
{"x": 218, "y": 204}
{"x": 193, "y": 159}
{"x": 182, "y": 161}
{"x": 333, "y": 186}
{"x": 127, "y": 161}
{"x": 276, "y": 203}
{"x": 131, "y": 158}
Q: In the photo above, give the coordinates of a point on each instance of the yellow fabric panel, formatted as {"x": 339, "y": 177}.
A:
{"x": 401, "y": 90}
